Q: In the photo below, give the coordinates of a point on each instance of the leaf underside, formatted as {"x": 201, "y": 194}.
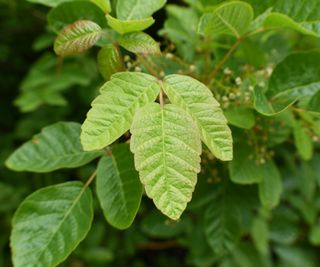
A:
{"x": 166, "y": 146}
{"x": 113, "y": 110}
{"x": 198, "y": 101}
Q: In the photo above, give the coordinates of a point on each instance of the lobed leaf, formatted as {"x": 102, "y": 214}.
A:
{"x": 198, "y": 101}
{"x": 50, "y": 223}
{"x": 118, "y": 187}
{"x": 57, "y": 146}
{"x": 113, "y": 110}
{"x": 109, "y": 61}
{"x": 166, "y": 146}
{"x": 139, "y": 43}
{"x": 231, "y": 18}
{"x": 77, "y": 38}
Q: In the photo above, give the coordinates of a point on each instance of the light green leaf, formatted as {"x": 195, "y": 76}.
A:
{"x": 302, "y": 141}
{"x": 57, "y": 146}
{"x": 69, "y": 12}
{"x": 244, "y": 168}
{"x": 199, "y": 102}
{"x": 314, "y": 235}
{"x": 118, "y": 187}
{"x": 279, "y": 20}
{"x": 222, "y": 223}
{"x": 109, "y": 61}
{"x": 260, "y": 234}
{"x": 113, "y": 110}
{"x": 270, "y": 188}
{"x": 77, "y": 38}
{"x": 104, "y": 5}
{"x": 240, "y": 116}
{"x": 298, "y": 15}
{"x": 232, "y": 18}
{"x": 139, "y": 43}
{"x": 289, "y": 82}
{"x": 166, "y": 146}
{"x": 50, "y": 223}
{"x": 126, "y": 26}
{"x": 137, "y": 9}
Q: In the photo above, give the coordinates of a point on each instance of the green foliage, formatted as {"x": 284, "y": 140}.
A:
{"x": 242, "y": 77}
{"x": 167, "y": 146}
{"x": 112, "y": 111}
{"x": 198, "y": 101}
{"x": 118, "y": 186}
{"x": 50, "y": 223}
{"x": 232, "y": 18}
{"x": 109, "y": 61}
{"x": 139, "y": 43}
{"x": 57, "y": 146}
{"x": 77, "y": 37}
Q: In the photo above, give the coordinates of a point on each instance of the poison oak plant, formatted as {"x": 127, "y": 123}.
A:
{"x": 217, "y": 69}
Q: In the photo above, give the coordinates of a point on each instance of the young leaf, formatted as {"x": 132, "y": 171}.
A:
{"x": 199, "y": 102}
{"x": 270, "y": 188}
{"x": 118, "y": 187}
{"x": 139, "y": 43}
{"x": 289, "y": 82}
{"x": 77, "y": 38}
{"x": 113, "y": 110}
{"x": 303, "y": 141}
{"x": 69, "y": 12}
{"x": 232, "y": 18}
{"x": 166, "y": 146}
{"x": 105, "y": 5}
{"x": 137, "y": 9}
{"x": 50, "y": 223}
{"x": 126, "y": 26}
{"x": 243, "y": 168}
{"x": 109, "y": 61}
{"x": 222, "y": 223}
{"x": 57, "y": 146}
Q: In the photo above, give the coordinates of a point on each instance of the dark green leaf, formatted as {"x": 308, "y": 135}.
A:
{"x": 57, "y": 146}
{"x": 50, "y": 223}
{"x": 118, "y": 187}
{"x": 69, "y": 12}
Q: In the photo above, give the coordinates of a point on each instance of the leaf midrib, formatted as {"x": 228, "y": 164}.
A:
{"x": 62, "y": 221}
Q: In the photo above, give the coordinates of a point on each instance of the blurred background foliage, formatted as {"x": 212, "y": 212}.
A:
{"x": 38, "y": 90}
